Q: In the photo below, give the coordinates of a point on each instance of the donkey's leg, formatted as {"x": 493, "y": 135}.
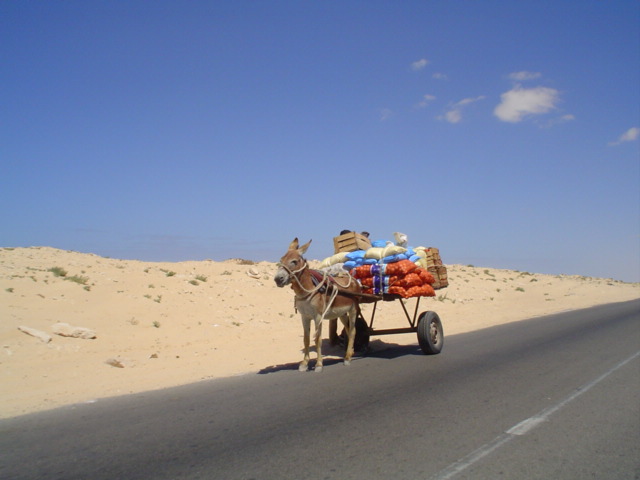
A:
{"x": 350, "y": 324}
{"x": 333, "y": 331}
{"x": 318, "y": 344}
{"x": 306, "y": 326}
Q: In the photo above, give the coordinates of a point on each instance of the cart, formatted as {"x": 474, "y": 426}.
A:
{"x": 426, "y": 325}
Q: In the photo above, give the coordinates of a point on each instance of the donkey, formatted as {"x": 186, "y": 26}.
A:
{"x": 318, "y": 296}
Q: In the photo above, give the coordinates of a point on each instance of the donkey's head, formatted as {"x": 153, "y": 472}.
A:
{"x": 291, "y": 263}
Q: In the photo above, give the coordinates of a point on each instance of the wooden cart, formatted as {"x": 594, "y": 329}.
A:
{"x": 426, "y": 325}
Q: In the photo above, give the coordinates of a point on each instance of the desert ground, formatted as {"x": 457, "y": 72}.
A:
{"x": 142, "y": 326}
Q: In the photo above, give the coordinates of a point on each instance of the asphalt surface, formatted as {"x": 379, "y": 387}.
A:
{"x": 552, "y": 397}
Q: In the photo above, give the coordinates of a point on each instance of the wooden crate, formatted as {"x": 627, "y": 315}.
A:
{"x": 350, "y": 242}
{"x": 436, "y": 268}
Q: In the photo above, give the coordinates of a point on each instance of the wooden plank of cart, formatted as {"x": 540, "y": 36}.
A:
{"x": 426, "y": 324}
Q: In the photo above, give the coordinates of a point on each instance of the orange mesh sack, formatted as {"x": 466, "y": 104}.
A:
{"x": 366, "y": 282}
{"x": 398, "y": 291}
{"x": 421, "y": 291}
{"x": 411, "y": 280}
{"x": 400, "y": 268}
{"x": 363, "y": 271}
{"x": 426, "y": 276}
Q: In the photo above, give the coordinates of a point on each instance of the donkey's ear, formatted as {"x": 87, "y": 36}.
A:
{"x": 304, "y": 248}
{"x": 294, "y": 245}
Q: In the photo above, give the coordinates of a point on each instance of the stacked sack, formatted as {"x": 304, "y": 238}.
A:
{"x": 403, "y": 278}
{"x": 386, "y": 268}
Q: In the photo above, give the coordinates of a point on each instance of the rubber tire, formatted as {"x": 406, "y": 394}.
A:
{"x": 430, "y": 333}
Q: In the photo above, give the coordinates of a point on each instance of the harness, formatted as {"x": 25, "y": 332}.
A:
{"x": 321, "y": 281}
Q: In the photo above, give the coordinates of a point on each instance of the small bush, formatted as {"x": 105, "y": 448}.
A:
{"x": 78, "y": 279}
{"x": 243, "y": 261}
{"x": 58, "y": 271}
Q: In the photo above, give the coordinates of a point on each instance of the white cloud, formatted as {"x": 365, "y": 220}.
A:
{"x": 385, "y": 114}
{"x": 519, "y": 103}
{"x": 426, "y": 100}
{"x": 524, "y": 75}
{"x": 439, "y": 76}
{"x": 629, "y": 136}
{"x": 557, "y": 121}
{"x": 419, "y": 64}
{"x": 467, "y": 101}
{"x": 454, "y": 114}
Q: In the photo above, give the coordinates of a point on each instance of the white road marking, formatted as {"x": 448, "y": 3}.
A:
{"x": 522, "y": 428}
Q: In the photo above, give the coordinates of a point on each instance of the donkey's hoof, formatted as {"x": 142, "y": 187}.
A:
{"x": 318, "y": 369}
{"x": 347, "y": 362}
{"x": 303, "y": 367}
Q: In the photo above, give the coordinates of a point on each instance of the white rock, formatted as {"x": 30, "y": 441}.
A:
{"x": 114, "y": 362}
{"x": 66, "y": 330}
{"x": 253, "y": 273}
{"x": 46, "y": 338}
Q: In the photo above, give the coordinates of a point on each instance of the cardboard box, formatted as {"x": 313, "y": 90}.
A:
{"x": 350, "y": 242}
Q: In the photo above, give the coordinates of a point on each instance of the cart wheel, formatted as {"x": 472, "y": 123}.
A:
{"x": 430, "y": 334}
{"x": 361, "y": 343}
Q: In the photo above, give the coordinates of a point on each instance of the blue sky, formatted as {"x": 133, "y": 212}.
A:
{"x": 504, "y": 133}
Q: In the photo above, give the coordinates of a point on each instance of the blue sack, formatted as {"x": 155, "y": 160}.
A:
{"x": 394, "y": 258}
{"x": 349, "y": 265}
{"x": 355, "y": 255}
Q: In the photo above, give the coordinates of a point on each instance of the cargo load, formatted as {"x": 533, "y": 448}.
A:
{"x": 384, "y": 267}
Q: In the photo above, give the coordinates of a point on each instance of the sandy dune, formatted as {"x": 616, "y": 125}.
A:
{"x": 164, "y": 324}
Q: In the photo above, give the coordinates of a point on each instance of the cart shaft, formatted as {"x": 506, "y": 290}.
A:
{"x": 391, "y": 331}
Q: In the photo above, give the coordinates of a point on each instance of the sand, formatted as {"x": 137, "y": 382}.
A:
{"x": 160, "y": 325}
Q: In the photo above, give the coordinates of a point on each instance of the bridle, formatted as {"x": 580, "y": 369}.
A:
{"x": 319, "y": 286}
{"x": 294, "y": 274}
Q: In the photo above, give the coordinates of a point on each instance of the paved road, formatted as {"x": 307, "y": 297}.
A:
{"x": 553, "y": 397}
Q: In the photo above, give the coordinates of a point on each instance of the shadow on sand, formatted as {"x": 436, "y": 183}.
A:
{"x": 333, "y": 355}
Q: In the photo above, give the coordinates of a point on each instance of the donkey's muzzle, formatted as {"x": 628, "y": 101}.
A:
{"x": 281, "y": 278}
